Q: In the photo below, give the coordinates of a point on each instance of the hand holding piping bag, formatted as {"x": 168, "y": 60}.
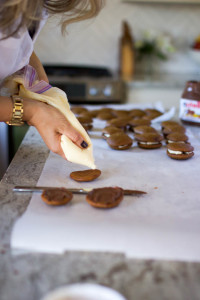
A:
{"x": 43, "y": 92}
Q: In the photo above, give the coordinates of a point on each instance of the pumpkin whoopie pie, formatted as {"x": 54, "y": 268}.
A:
{"x": 149, "y": 140}
{"x": 119, "y": 141}
{"x": 143, "y": 129}
{"x": 85, "y": 175}
{"x": 137, "y": 113}
{"x": 173, "y": 128}
{"x": 153, "y": 113}
{"x": 169, "y": 123}
{"x": 77, "y": 110}
{"x": 138, "y": 122}
{"x": 56, "y": 196}
{"x": 107, "y": 197}
{"x": 86, "y": 122}
{"x": 109, "y": 130}
{"x": 180, "y": 151}
{"x": 105, "y": 116}
{"x": 176, "y": 137}
{"x": 119, "y": 122}
{"x": 120, "y": 113}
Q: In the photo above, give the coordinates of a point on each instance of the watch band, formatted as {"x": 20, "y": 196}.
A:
{"x": 18, "y": 110}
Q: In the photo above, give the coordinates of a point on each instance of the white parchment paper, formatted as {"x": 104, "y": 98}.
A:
{"x": 164, "y": 224}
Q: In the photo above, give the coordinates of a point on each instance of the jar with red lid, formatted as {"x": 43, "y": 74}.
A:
{"x": 190, "y": 103}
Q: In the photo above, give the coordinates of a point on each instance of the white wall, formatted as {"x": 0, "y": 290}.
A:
{"x": 95, "y": 42}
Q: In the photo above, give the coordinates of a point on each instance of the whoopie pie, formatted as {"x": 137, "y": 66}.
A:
{"x": 180, "y": 151}
{"x": 149, "y": 140}
{"x": 120, "y": 141}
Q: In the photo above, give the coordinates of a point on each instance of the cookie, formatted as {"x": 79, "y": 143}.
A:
{"x": 137, "y": 113}
{"x": 105, "y": 116}
{"x": 56, "y": 196}
{"x": 176, "y": 137}
{"x": 180, "y": 151}
{"x": 107, "y": 197}
{"x": 144, "y": 129}
{"x": 109, "y": 130}
{"x": 149, "y": 140}
{"x": 86, "y": 175}
{"x": 169, "y": 123}
{"x": 77, "y": 110}
{"x": 120, "y": 141}
{"x": 153, "y": 113}
{"x": 138, "y": 122}
{"x": 86, "y": 122}
{"x": 120, "y": 113}
{"x": 119, "y": 122}
{"x": 173, "y": 128}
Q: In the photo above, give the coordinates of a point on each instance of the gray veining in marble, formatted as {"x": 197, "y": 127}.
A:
{"x": 29, "y": 276}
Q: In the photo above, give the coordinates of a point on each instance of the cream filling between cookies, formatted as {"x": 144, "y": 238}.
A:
{"x": 178, "y": 152}
{"x": 124, "y": 146}
{"x": 171, "y": 142}
{"x": 149, "y": 143}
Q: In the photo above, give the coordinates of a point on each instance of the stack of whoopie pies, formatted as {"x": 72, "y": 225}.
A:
{"x": 178, "y": 146}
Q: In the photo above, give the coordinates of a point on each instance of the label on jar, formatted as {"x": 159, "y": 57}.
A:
{"x": 189, "y": 110}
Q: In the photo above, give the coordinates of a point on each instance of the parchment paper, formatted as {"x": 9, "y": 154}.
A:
{"x": 164, "y": 224}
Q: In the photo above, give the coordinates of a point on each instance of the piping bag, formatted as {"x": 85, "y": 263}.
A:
{"x": 25, "y": 83}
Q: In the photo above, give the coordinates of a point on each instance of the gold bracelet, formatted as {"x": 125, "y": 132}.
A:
{"x": 18, "y": 111}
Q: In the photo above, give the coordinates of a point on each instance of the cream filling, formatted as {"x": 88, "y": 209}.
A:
{"x": 106, "y": 135}
{"x": 171, "y": 142}
{"x": 58, "y": 99}
{"x": 178, "y": 152}
{"x": 149, "y": 143}
{"x": 121, "y": 147}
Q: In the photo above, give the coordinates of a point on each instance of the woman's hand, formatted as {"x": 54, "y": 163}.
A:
{"x": 51, "y": 124}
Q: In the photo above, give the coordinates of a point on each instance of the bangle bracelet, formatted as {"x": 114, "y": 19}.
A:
{"x": 17, "y": 113}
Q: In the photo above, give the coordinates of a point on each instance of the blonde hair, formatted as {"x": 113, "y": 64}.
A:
{"x": 15, "y": 14}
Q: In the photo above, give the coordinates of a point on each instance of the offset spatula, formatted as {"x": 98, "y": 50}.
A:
{"x": 40, "y": 189}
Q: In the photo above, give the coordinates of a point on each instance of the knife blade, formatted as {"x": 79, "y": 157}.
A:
{"x": 40, "y": 189}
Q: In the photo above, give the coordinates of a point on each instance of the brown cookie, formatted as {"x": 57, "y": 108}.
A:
{"x": 137, "y": 113}
{"x": 77, "y": 110}
{"x": 149, "y": 140}
{"x": 86, "y": 175}
{"x": 105, "y": 116}
{"x": 153, "y": 113}
{"x": 119, "y": 141}
{"x": 107, "y": 197}
{"x": 109, "y": 130}
{"x": 86, "y": 122}
{"x": 119, "y": 122}
{"x": 56, "y": 196}
{"x": 180, "y": 151}
{"x": 176, "y": 137}
{"x": 169, "y": 123}
{"x": 144, "y": 129}
{"x": 138, "y": 122}
{"x": 173, "y": 128}
{"x": 120, "y": 113}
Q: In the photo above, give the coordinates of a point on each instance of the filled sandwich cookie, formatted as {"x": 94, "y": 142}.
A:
{"x": 180, "y": 151}
{"x": 176, "y": 137}
{"x": 109, "y": 130}
{"x": 119, "y": 141}
{"x": 56, "y": 196}
{"x": 149, "y": 140}
{"x": 107, "y": 197}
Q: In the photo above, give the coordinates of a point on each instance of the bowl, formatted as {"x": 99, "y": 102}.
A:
{"x": 83, "y": 291}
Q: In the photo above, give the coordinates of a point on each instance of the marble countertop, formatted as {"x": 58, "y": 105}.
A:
{"x": 29, "y": 276}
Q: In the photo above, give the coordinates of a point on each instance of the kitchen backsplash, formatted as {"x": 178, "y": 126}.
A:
{"x": 96, "y": 42}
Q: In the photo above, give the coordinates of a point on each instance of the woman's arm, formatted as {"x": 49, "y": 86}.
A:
{"x": 37, "y": 65}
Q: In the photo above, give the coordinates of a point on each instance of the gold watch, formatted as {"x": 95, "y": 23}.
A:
{"x": 18, "y": 110}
